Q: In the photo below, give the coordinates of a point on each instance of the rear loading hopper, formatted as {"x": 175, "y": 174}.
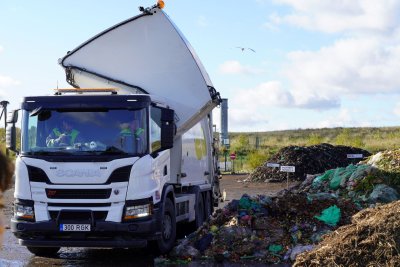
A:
{"x": 146, "y": 54}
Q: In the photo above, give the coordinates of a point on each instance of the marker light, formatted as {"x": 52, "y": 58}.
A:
{"x": 160, "y": 4}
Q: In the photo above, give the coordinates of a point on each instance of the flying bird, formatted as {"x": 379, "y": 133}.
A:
{"x": 245, "y": 48}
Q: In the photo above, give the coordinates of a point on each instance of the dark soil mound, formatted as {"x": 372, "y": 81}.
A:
{"x": 307, "y": 160}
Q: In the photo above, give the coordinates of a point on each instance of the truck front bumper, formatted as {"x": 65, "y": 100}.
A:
{"x": 102, "y": 234}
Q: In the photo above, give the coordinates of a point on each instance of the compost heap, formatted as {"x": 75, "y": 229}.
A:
{"x": 373, "y": 239}
{"x": 307, "y": 160}
{"x": 276, "y": 229}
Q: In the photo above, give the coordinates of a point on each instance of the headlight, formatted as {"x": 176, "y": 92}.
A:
{"x": 24, "y": 212}
{"x": 137, "y": 211}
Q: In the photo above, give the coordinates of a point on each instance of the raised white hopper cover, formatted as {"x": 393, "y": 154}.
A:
{"x": 146, "y": 54}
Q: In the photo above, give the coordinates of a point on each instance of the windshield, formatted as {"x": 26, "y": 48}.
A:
{"x": 91, "y": 132}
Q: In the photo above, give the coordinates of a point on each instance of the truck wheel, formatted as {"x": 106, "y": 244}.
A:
{"x": 199, "y": 210}
{"x": 208, "y": 204}
{"x": 43, "y": 251}
{"x": 168, "y": 228}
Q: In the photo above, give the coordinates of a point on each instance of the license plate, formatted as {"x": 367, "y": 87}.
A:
{"x": 74, "y": 227}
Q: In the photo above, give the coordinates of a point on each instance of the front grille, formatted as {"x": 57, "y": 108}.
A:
{"x": 85, "y": 205}
{"x": 78, "y": 193}
{"x": 78, "y": 215}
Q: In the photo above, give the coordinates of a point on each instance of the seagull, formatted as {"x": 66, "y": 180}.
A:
{"x": 244, "y": 48}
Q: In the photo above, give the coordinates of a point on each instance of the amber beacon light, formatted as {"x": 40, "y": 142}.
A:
{"x": 160, "y": 4}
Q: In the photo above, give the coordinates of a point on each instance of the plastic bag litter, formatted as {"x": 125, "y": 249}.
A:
{"x": 341, "y": 175}
{"x": 360, "y": 172}
{"x": 203, "y": 243}
{"x": 336, "y": 178}
{"x": 383, "y": 194}
{"x": 330, "y": 216}
{"x": 274, "y": 248}
{"x": 244, "y": 203}
{"x": 322, "y": 178}
{"x": 297, "y": 250}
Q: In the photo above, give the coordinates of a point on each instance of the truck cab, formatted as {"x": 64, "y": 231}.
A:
{"x": 102, "y": 186}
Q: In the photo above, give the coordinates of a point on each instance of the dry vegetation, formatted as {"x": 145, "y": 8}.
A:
{"x": 371, "y": 240}
{"x": 255, "y": 148}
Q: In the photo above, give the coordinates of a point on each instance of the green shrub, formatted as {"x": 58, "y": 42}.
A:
{"x": 257, "y": 158}
{"x": 315, "y": 139}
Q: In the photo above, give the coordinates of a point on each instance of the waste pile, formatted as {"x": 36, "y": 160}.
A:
{"x": 307, "y": 160}
{"x": 376, "y": 180}
{"x": 362, "y": 184}
{"x": 263, "y": 229}
{"x": 372, "y": 239}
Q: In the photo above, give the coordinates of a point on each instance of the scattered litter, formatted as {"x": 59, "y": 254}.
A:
{"x": 330, "y": 216}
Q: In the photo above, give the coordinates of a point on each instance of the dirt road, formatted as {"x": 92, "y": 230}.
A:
{"x": 13, "y": 254}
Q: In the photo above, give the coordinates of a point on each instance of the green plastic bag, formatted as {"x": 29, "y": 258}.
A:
{"x": 324, "y": 177}
{"x": 330, "y": 216}
{"x": 337, "y": 178}
{"x": 347, "y": 174}
{"x": 275, "y": 248}
{"x": 341, "y": 175}
{"x": 245, "y": 203}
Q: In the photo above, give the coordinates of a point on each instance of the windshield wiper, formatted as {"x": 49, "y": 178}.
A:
{"x": 48, "y": 152}
{"x": 113, "y": 150}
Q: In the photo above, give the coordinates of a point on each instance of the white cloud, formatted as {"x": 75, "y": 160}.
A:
{"x": 350, "y": 66}
{"x": 246, "y": 119}
{"x": 337, "y": 16}
{"x": 273, "y": 94}
{"x": 6, "y": 81}
{"x": 363, "y": 60}
{"x": 240, "y": 118}
{"x": 396, "y": 109}
{"x": 344, "y": 118}
{"x": 247, "y": 109}
{"x": 235, "y": 67}
{"x": 265, "y": 94}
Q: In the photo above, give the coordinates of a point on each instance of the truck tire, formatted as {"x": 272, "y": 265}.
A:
{"x": 208, "y": 204}
{"x": 43, "y": 251}
{"x": 199, "y": 210}
{"x": 168, "y": 228}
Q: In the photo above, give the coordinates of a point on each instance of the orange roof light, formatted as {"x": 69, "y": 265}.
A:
{"x": 160, "y": 4}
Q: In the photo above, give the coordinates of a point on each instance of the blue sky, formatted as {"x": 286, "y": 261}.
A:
{"x": 317, "y": 63}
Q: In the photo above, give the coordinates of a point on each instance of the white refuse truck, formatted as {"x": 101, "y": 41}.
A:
{"x": 86, "y": 176}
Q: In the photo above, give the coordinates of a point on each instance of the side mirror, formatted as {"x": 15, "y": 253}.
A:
{"x": 11, "y": 137}
{"x": 11, "y": 132}
{"x": 167, "y": 128}
{"x": 12, "y": 116}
